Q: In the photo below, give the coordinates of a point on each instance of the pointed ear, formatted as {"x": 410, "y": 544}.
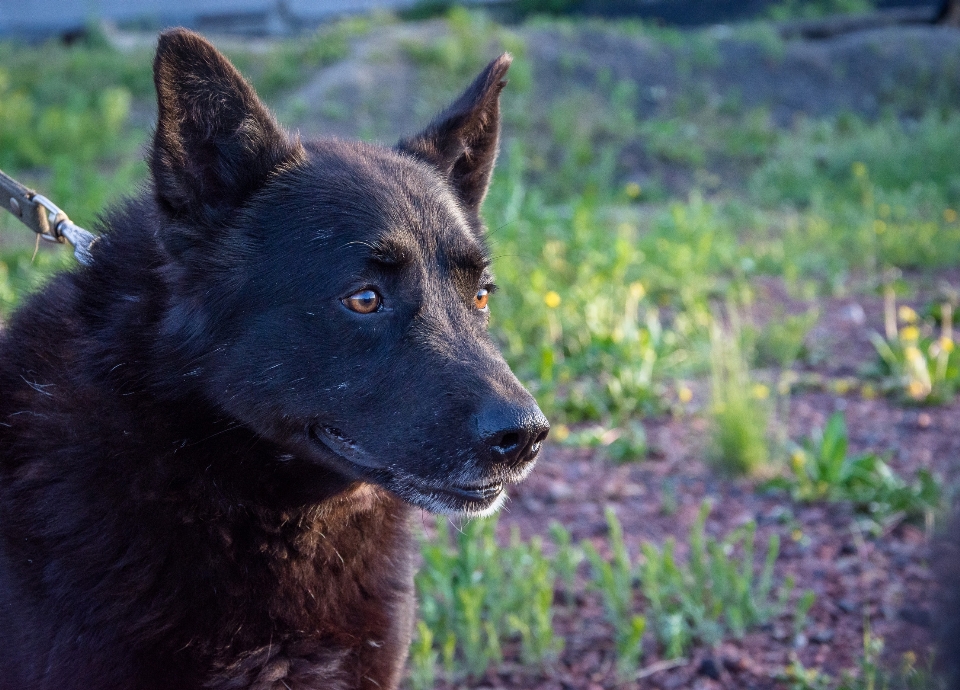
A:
{"x": 215, "y": 142}
{"x": 462, "y": 141}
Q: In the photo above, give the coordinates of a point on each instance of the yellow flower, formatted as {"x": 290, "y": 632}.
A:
{"x": 868, "y": 392}
{"x": 637, "y": 291}
{"x": 859, "y": 169}
{"x": 760, "y": 391}
{"x": 560, "y": 432}
{"x": 912, "y": 353}
{"x": 798, "y": 460}
{"x": 796, "y": 535}
{"x": 910, "y": 334}
{"x": 917, "y": 390}
{"x": 632, "y": 189}
{"x": 879, "y": 227}
{"x": 907, "y": 315}
{"x": 946, "y": 344}
{"x": 552, "y": 299}
{"x": 949, "y": 215}
{"x": 841, "y": 386}
{"x": 685, "y": 394}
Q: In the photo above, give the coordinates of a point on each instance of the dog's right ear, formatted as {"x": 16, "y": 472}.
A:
{"x": 215, "y": 142}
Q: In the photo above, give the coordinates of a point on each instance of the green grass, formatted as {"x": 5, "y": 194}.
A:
{"x": 811, "y": 9}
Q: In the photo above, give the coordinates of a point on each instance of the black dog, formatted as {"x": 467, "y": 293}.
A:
{"x": 206, "y": 435}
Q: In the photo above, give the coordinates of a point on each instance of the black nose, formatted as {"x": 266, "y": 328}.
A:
{"x": 512, "y": 434}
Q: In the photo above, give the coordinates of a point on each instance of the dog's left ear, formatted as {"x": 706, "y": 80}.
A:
{"x": 462, "y": 141}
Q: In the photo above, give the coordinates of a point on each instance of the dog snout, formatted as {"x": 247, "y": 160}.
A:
{"x": 512, "y": 433}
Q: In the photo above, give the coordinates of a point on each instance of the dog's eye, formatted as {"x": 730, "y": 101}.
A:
{"x": 480, "y": 299}
{"x": 363, "y": 302}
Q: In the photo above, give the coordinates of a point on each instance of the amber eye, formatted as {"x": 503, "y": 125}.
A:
{"x": 480, "y": 299}
{"x": 363, "y": 302}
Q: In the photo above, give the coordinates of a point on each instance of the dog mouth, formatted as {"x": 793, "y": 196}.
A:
{"x": 471, "y": 497}
{"x": 479, "y": 493}
{"x": 472, "y": 500}
{"x": 335, "y": 441}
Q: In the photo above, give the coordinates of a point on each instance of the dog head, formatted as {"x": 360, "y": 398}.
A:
{"x": 333, "y": 296}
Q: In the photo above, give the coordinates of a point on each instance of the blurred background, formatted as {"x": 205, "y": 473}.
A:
{"x": 727, "y": 242}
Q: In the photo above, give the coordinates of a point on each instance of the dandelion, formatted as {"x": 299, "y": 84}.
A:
{"x": 907, "y": 315}
{"x": 637, "y": 291}
{"x": 859, "y": 169}
{"x": 949, "y": 215}
{"x": 917, "y": 390}
{"x": 868, "y": 392}
{"x": 910, "y": 334}
{"x": 796, "y": 535}
{"x": 760, "y": 391}
{"x": 841, "y": 386}
{"x": 946, "y": 344}
{"x": 561, "y": 432}
{"x": 685, "y": 394}
{"x": 552, "y": 299}
{"x": 798, "y": 460}
{"x": 632, "y": 190}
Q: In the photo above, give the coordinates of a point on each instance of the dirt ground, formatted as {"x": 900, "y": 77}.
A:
{"x": 855, "y": 577}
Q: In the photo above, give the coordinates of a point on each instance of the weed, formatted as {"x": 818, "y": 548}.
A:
{"x": 566, "y": 560}
{"x": 821, "y": 469}
{"x": 473, "y": 593}
{"x": 423, "y": 659}
{"x": 621, "y": 444}
{"x": 613, "y": 578}
{"x": 783, "y": 341}
{"x": 918, "y": 362}
{"x": 716, "y": 591}
{"x": 739, "y": 407}
{"x": 869, "y": 674}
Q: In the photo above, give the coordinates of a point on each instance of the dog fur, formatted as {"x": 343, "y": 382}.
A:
{"x": 208, "y": 455}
